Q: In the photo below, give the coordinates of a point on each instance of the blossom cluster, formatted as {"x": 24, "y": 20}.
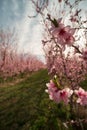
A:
{"x": 63, "y": 34}
{"x": 63, "y": 95}
{"x": 66, "y": 53}
{"x": 70, "y": 66}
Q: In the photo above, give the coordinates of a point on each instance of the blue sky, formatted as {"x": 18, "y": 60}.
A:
{"x": 11, "y": 11}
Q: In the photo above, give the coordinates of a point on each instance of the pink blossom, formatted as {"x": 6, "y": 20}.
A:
{"x": 63, "y": 34}
{"x": 58, "y": 95}
{"x": 82, "y": 96}
{"x": 51, "y": 84}
{"x": 65, "y": 95}
{"x": 52, "y": 90}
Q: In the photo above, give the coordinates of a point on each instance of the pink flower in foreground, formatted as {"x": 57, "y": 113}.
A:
{"x": 58, "y": 95}
{"x": 52, "y": 90}
{"x": 82, "y": 96}
{"x": 65, "y": 94}
{"x": 63, "y": 34}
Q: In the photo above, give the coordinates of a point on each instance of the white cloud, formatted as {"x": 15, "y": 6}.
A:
{"x": 15, "y": 3}
{"x": 29, "y": 33}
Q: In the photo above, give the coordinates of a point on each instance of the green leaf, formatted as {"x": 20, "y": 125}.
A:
{"x": 54, "y": 21}
{"x": 56, "y": 81}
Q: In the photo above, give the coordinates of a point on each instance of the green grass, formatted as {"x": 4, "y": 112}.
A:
{"x": 26, "y": 106}
{"x": 21, "y": 104}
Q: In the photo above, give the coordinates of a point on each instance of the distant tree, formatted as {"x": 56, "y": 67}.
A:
{"x": 13, "y": 62}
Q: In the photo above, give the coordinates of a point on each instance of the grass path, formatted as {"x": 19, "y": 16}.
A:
{"x": 11, "y": 81}
{"x": 20, "y": 102}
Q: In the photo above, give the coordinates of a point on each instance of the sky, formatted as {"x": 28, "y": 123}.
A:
{"x": 14, "y": 14}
